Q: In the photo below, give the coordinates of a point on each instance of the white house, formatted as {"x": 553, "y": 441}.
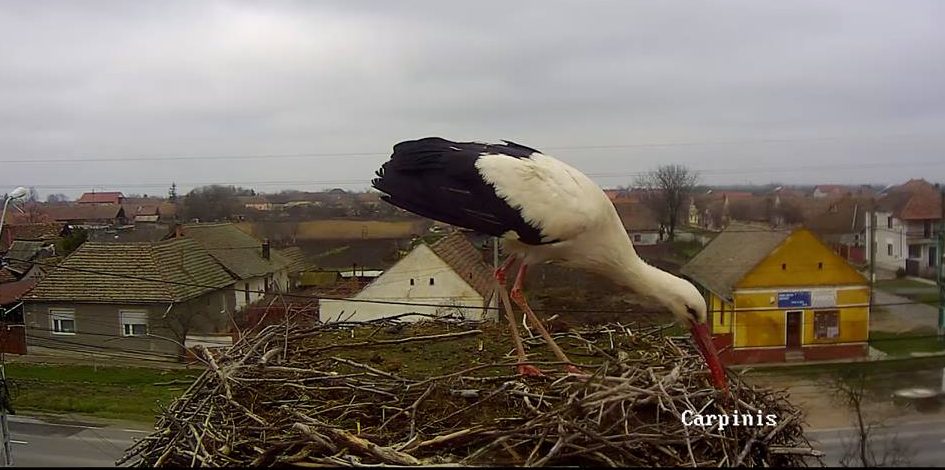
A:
{"x": 446, "y": 277}
{"x": 906, "y": 217}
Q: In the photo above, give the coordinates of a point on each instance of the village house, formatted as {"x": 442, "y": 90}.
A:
{"x": 448, "y": 277}
{"x": 257, "y": 268}
{"x": 108, "y": 197}
{"x": 781, "y": 295}
{"x": 843, "y": 227}
{"x": 906, "y": 217}
{"x": 38, "y": 232}
{"x": 145, "y": 298}
{"x": 641, "y": 223}
{"x": 838, "y": 190}
{"x": 89, "y": 216}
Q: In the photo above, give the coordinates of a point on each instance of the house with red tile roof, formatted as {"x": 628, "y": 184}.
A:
{"x": 108, "y": 197}
{"x": 906, "y": 218}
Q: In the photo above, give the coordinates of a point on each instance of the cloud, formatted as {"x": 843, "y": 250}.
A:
{"x": 802, "y": 82}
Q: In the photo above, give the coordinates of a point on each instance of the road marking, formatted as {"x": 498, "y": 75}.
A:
{"x": 137, "y": 431}
{"x": 14, "y": 441}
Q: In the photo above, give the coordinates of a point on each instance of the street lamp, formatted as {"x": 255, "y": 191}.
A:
{"x": 18, "y": 193}
{"x": 6, "y": 459}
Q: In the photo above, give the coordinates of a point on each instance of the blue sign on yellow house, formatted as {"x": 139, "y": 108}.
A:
{"x": 777, "y": 295}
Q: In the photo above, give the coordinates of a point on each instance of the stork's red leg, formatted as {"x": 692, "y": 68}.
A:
{"x": 523, "y": 369}
{"x": 519, "y": 297}
{"x": 500, "y": 271}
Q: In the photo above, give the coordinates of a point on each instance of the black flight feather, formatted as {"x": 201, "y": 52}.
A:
{"x": 438, "y": 179}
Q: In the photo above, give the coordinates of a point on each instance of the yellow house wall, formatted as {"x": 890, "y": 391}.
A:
{"x": 720, "y": 324}
{"x": 759, "y": 323}
{"x": 794, "y": 265}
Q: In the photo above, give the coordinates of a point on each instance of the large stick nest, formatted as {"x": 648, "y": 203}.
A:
{"x": 445, "y": 392}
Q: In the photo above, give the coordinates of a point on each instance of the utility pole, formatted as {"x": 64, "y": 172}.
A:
{"x": 872, "y": 250}
{"x": 940, "y": 268}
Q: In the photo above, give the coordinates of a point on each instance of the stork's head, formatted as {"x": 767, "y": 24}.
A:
{"x": 689, "y": 308}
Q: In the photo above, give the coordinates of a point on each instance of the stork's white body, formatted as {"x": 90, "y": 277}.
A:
{"x": 570, "y": 208}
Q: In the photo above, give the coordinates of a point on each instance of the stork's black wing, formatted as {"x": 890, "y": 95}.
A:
{"x": 438, "y": 179}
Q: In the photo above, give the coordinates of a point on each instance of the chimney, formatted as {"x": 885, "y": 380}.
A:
{"x": 265, "y": 249}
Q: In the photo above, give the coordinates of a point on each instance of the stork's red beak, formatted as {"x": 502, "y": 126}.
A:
{"x": 700, "y": 333}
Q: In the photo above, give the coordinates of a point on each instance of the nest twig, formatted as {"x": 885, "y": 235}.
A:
{"x": 264, "y": 403}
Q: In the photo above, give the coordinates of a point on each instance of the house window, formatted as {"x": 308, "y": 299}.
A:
{"x": 431, "y": 281}
{"x": 820, "y": 265}
{"x": 827, "y": 324}
{"x": 889, "y": 222}
{"x": 783, "y": 266}
{"x": 915, "y": 251}
{"x": 134, "y": 322}
{"x": 63, "y": 321}
{"x": 246, "y": 292}
{"x": 889, "y": 249}
{"x": 637, "y": 238}
{"x": 411, "y": 281}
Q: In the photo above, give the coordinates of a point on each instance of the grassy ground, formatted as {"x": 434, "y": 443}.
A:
{"x": 103, "y": 392}
{"x": 901, "y": 344}
{"x": 913, "y": 290}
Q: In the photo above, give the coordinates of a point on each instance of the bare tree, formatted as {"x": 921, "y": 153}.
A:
{"x": 667, "y": 191}
{"x": 58, "y": 197}
{"x": 867, "y": 448}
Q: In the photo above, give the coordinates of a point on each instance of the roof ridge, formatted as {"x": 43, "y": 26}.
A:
{"x": 166, "y": 282}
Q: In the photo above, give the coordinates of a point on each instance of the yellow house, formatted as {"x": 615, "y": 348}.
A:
{"x": 781, "y": 295}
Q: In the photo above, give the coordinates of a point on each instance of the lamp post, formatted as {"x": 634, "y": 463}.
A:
{"x": 7, "y": 458}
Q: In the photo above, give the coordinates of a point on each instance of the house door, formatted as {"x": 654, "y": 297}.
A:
{"x": 794, "y": 324}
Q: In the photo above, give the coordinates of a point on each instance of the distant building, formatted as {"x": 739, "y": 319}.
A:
{"x": 112, "y": 197}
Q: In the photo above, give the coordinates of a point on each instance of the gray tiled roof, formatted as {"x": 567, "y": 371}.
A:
{"x": 133, "y": 273}
{"x": 239, "y": 252}
{"x": 731, "y": 255}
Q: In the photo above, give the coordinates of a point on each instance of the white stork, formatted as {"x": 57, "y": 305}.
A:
{"x": 543, "y": 210}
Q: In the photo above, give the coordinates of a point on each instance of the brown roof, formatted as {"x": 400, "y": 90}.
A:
{"x": 11, "y": 292}
{"x": 636, "y": 216}
{"x": 846, "y": 215}
{"x": 732, "y": 254}
{"x": 73, "y": 213}
{"x": 113, "y": 197}
{"x": 134, "y": 273}
{"x": 7, "y": 276}
{"x": 914, "y": 200}
{"x": 465, "y": 260}
{"x": 47, "y": 231}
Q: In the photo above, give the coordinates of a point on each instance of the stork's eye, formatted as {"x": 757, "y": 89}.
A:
{"x": 692, "y": 313}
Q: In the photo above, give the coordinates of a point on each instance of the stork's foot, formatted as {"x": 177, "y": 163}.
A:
{"x": 528, "y": 370}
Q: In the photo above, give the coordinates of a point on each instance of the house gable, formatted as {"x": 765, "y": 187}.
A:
{"x": 801, "y": 260}
{"x": 420, "y": 265}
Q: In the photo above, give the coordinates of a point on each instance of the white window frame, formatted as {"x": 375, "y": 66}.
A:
{"x": 133, "y": 317}
{"x": 56, "y": 315}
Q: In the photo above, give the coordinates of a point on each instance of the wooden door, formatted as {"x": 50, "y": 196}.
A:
{"x": 794, "y": 324}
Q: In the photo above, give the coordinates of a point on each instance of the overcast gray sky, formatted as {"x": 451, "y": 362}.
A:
{"x": 313, "y": 94}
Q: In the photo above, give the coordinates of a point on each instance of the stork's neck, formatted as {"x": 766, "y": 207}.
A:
{"x": 633, "y": 272}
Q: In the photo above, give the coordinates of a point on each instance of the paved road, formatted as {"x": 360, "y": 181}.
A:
{"x": 907, "y": 316}
{"x": 924, "y": 442}
{"x": 37, "y": 443}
